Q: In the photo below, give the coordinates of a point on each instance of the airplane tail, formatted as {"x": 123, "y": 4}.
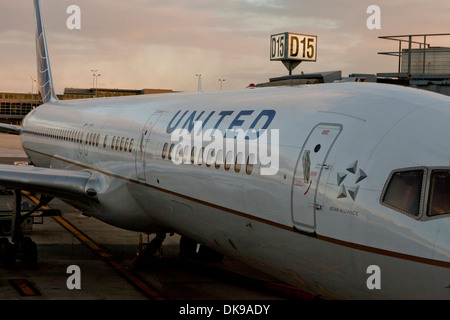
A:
{"x": 44, "y": 73}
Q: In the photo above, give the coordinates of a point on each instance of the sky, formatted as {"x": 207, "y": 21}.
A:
{"x": 163, "y": 44}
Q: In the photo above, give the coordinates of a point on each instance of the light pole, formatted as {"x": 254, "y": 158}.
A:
{"x": 199, "y": 82}
{"x": 94, "y": 80}
{"x": 221, "y": 81}
{"x": 93, "y": 77}
{"x": 32, "y": 84}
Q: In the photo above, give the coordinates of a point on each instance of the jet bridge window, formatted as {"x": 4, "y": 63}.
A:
{"x": 404, "y": 191}
{"x": 439, "y": 198}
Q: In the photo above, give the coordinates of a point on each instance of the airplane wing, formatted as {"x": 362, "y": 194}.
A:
{"x": 10, "y": 128}
{"x": 63, "y": 184}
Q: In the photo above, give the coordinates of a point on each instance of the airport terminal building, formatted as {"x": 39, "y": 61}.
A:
{"x": 14, "y": 106}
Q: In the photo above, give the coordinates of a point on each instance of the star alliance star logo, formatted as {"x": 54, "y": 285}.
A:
{"x": 341, "y": 176}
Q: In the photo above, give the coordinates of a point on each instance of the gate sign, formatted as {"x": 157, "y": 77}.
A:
{"x": 291, "y": 46}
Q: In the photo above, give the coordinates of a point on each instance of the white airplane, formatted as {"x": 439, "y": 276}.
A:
{"x": 350, "y": 200}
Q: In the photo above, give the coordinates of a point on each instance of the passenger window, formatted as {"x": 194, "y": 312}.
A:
{"x": 228, "y": 160}
{"x": 104, "y": 141}
{"x": 170, "y": 151}
{"x": 122, "y": 141}
{"x": 97, "y": 140}
{"x": 178, "y": 153}
{"x": 219, "y": 159}
{"x": 186, "y": 154}
{"x": 209, "y": 157}
{"x": 164, "y": 150}
{"x": 439, "y": 200}
{"x": 238, "y": 162}
{"x": 113, "y": 142}
{"x": 117, "y": 143}
{"x": 200, "y": 156}
{"x": 250, "y": 162}
{"x": 130, "y": 148}
{"x": 193, "y": 154}
{"x": 404, "y": 191}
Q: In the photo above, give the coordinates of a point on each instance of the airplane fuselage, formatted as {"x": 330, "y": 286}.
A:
{"x": 316, "y": 220}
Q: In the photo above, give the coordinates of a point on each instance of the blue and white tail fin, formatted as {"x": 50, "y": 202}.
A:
{"x": 44, "y": 73}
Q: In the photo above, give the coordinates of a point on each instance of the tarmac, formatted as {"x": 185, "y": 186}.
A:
{"x": 81, "y": 258}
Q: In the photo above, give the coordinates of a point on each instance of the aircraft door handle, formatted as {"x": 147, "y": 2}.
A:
{"x": 323, "y": 166}
{"x": 315, "y": 206}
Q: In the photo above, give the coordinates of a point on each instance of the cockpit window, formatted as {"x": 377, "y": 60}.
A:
{"x": 404, "y": 191}
{"x": 439, "y": 199}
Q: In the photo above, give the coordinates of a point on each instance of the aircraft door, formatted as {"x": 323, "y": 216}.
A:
{"x": 310, "y": 165}
{"x": 141, "y": 157}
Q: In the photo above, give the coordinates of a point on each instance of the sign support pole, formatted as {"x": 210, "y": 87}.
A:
{"x": 290, "y": 65}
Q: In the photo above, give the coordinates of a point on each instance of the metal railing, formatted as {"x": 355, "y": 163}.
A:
{"x": 419, "y": 49}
